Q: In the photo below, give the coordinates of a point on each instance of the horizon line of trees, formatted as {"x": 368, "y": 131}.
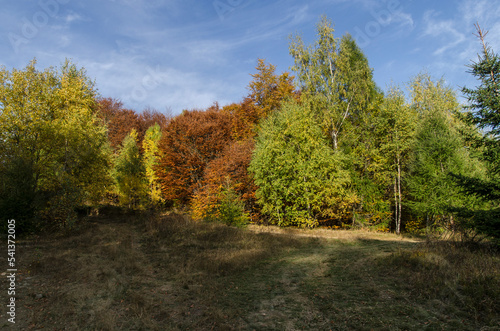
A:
{"x": 325, "y": 147}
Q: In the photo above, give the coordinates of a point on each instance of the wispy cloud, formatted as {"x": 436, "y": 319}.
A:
{"x": 473, "y": 10}
{"x": 446, "y": 30}
{"x": 484, "y": 12}
{"x": 452, "y": 39}
{"x": 181, "y": 54}
{"x": 72, "y": 17}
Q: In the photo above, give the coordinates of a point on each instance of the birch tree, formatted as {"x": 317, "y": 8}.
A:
{"x": 335, "y": 75}
{"x": 395, "y": 129}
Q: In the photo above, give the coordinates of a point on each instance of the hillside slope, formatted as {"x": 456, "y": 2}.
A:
{"x": 167, "y": 272}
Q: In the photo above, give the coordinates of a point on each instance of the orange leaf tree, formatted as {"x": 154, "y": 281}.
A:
{"x": 244, "y": 116}
{"x": 268, "y": 90}
{"x": 120, "y": 121}
{"x": 189, "y": 142}
{"x": 227, "y": 173}
{"x": 226, "y": 180}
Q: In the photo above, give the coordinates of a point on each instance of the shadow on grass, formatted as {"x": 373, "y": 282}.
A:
{"x": 160, "y": 272}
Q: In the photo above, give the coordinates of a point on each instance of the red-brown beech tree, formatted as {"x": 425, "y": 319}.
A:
{"x": 190, "y": 141}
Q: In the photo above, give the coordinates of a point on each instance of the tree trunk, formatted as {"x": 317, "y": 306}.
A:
{"x": 398, "y": 224}
{"x": 396, "y": 202}
{"x": 353, "y": 216}
{"x": 66, "y": 167}
{"x": 308, "y": 204}
{"x": 427, "y": 224}
{"x": 334, "y": 140}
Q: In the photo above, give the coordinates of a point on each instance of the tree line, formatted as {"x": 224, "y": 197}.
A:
{"x": 324, "y": 146}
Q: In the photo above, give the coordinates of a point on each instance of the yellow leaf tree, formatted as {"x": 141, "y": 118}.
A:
{"x": 49, "y": 128}
{"x": 151, "y": 156}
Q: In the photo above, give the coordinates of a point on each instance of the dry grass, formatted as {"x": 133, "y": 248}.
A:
{"x": 323, "y": 233}
{"x": 166, "y": 272}
{"x": 454, "y": 274}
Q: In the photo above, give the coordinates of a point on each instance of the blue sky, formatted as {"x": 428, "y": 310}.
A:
{"x": 169, "y": 54}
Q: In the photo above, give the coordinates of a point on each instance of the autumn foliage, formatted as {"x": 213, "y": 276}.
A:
{"x": 120, "y": 121}
{"x": 244, "y": 117}
{"x": 190, "y": 141}
{"x": 268, "y": 90}
{"x": 339, "y": 152}
{"x": 206, "y": 154}
{"x": 198, "y": 158}
{"x": 228, "y": 172}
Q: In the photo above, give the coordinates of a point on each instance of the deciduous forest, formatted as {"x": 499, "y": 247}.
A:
{"x": 321, "y": 145}
{"x": 318, "y": 147}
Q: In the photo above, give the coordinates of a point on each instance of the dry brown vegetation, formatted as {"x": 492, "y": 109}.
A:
{"x": 166, "y": 272}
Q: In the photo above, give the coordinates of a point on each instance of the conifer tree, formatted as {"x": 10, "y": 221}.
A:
{"x": 484, "y": 112}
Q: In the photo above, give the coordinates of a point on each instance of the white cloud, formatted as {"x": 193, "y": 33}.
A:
{"x": 201, "y": 58}
{"x": 445, "y": 29}
{"x": 138, "y": 84}
{"x": 486, "y": 14}
{"x": 472, "y": 11}
{"x": 405, "y": 19}
{"x": 72, "y": 17}
{"x": 455, "y": 36}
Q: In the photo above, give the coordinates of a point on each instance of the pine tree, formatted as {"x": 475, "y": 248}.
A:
{"x": 484, "y": 112}
{"x": 438, "y": 151}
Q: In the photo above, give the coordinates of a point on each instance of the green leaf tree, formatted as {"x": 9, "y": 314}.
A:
{"x": 438, "y": 150}
{"x": 299, "y": 177}
{"x": 231, "y": 209}
{"x": 130, "y": 173}
{"x": 335, "y": 79}
{"x": 395, "y": 128}
{"x": 336, "y": 76}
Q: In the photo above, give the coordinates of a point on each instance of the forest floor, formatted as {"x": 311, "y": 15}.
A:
{"x": 119, "y": 272}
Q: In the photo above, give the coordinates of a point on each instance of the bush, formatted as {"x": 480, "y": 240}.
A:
{"x": 232, "y": 209}
{"x": 18, "y": 198}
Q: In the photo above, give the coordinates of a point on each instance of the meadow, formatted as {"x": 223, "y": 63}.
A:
{"x": 143, "y": 271}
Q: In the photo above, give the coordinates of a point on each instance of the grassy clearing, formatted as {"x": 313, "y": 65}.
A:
{"x": 170, "y": 273}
